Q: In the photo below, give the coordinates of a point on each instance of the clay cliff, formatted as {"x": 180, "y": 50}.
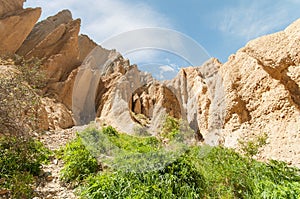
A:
{"x": 255, "y": 91}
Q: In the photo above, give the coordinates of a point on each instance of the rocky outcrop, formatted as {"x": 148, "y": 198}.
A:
{"x": 9, "y": 6}
{"x": 147, "y": 98}
{"x": 197, "y": 93}
{"x": 261, "y": 84}
{"x": 55, "y": 40}
{"x": 41, "y": 31}
{"x": 86, "y": 45}
{"x": 15, "y": 27}
{"x": 256, "y": 91}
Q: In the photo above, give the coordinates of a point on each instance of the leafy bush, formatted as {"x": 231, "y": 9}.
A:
{"x": 20, "y": 156}
{"x": 110, "y": 131}
{"x": 21, "y": 185}
{"x": 251, "y": 147}
{"x": 107, "y": 140}
{"x": 138, "y": 169}
{"x": 177, "y": 130}
{"x": 31, "y": 72}
{"x": 177, "y": 180}
{"x": 229, "y": 175}
{"x": 171, "y": 128}
{"x": 20, "y": 160}
{"x": 79, "y": 163}
{"x": 81, "y": 155}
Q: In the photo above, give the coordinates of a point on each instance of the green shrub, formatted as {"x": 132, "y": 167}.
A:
{"x": 177, "y": 130}
{"x": 31, "y": 72}
{"x": 140, "y": 167}
{"x": 110, "y": 131}
{"x": 21, "y": 157}
{"x": 18, "y": 154}
{"x": 78, "y": 162}
{"x": 21, "y": 185}
{"x": 171, "y": 128}
{"x": 80, "y": 156}
{"x": 177, "y": 180}
{"x": 229, "y": 175}
{"x": 251, "y": 147}
{"x": 20, "y": 160}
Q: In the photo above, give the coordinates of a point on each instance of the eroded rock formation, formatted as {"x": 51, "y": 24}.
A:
{"x": 255, "y": 91}
{"x": 261, "y": 82}
{"x": 15, "y": 25}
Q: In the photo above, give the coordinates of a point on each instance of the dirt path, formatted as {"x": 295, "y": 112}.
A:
{"x": 49, "y": 186}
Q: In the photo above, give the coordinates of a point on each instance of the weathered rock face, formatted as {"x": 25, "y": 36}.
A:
{"x": 261, "y": 82}
{"x": 9, "y": 6}
{"x": 56, "y": 41}
{"x": 147, "y": 98}
{"x": 86, "y": 45}
{"x": 15, "y": 27}
{"x": 195, "y": 89}
{"x": 257, "y": 90}
{"x": 85, "y": 89}
{"x": 42, "y": 30}
{"x": 124, "y": 92}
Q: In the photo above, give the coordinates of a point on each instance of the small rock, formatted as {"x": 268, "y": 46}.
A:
{"x": 55, "y": 161}
{"x": 3, "y": 191}
{"x": 49, "y": 178}
{"x": 49, "y": 196}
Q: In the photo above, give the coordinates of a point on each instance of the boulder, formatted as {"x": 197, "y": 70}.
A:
{"x": 59, "y": 117}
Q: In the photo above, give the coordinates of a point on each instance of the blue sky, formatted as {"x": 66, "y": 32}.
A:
{"x": 221, "y": 27}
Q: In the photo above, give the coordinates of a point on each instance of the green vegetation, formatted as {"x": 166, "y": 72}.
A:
{"x": 142, "y": 167}
{"x": 176, "y": 131}
{"x": 251, "y": 147}
{"x": 79, "y": 162}
{"x": 21, "y": 156}
{"x": 20, "y": 161}
{"x": 171, "y": 128}
{"x": 108, "y": 164}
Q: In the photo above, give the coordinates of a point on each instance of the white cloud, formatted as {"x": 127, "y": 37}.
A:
{"x": 102, "y": 19}
{"x": 167, "y": 68}
{"x": 249, "y": 20}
